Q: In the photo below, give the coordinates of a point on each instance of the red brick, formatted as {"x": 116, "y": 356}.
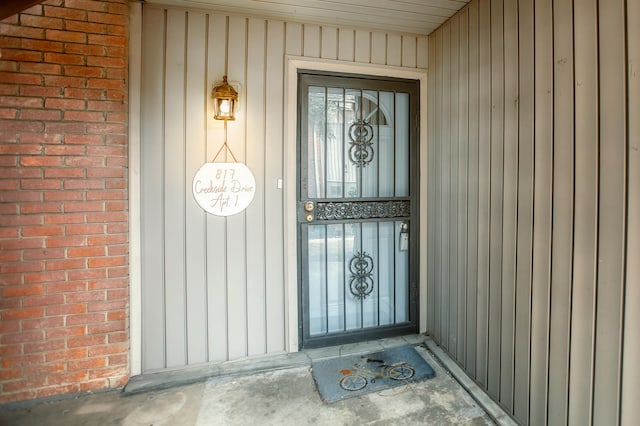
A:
{"x": 45, "y": 369}
{"x": 83, "y": 71}
{"x": 23, "y": 290}
{"x": 63, "y": 196}
{"x": 86, "y": 5}
{"x": 87, "y": 116}
{"x": 67, "y": 36}
{"x": 57, "y": 390}
{"x": 101, "y": 262}
{"x": 41, "y": 45}
{"x": 117, "y": 8}
{"x": 12, "y": 268}
{"x": 20, "y": 385}
{"x": 6, "y": 397}
{"x": 85, "y": 161}
{"x": 68, "y": 378}
{"x": 65, "y": 150}
{"x": 40, "y": 115}
{"x": 85, "y": 319}
{"x": 116, "y": 315}
{"x": 9, "y": 185}
{"x": 115, "y": 250}
{"x": 21, "y": 126}
{"x": 66, "y": 13}
{"x": 116, "y": 294}
{"x": 19, "y": 361}
{"x": 65, "y": 128}
{"x": 107, "y": 18}
{"x": 42, "y": 323}
{"x": 87, "y": 27}
{"x": 65, "y": 264}
{"x": 87, "y": 274}
{"x": 43, "y": 277}
{"x": 108, "y": 327}
{"x": 8, "y": 113}
{"x": 84, "y": 184}
{"x": 65, "y": 103}
{"x": 106, "y": 83}
{"x": 66, "y": 242}
{"x": 85, "y": 230}
{"x": 20, "y": 101}
{"x": 86, "y": 252}
{"x": 23, "y": 32}
{"x": 107, "y": 350}
{"x": 10, "y": 374}
{"x": 107, "y": 372}
{"x": 63, "y": 81}
{"x": 33, "y": 10}
{"x": 118, "y": 360}
{"x": 64, "y": 287}
{"x": 83, "y": 206}
{"x": 106, "y": 306}
{"x": 64, "y": 58}
{"x": 9, "y": 351}
{"x": 63, "y": 218}
{"x": 108, "y": 62}
{"x": 42, "y": 231}
{"x": 92, "y": 385}
{"x": 64, "y": 172}
{"x": 76, "y": 353}
{"x": 85, "y": 49}
{"x": 9, "y": 327}
{"x": 87, "y": 364}
{"x": 66, "y": 309}
{"x": 40, "y": 138}
{"x": 106, "y": 239}
{"x": 116, "y": 30}
{"x": 41, "y": 184}
{"x": 24, "y": 336}
{"x": 106, "y": 40}
{"x": 40, "y": 208}
{"x": 20, "y": 149}
{"x": 93, "y": 340}
{"x": 21, "y": 55}
{"x": 22, "y": 313}
{"x": 40, "y": 68}
{"x": 56, "y": 333}
{"x": 85, "y": 94}
{"x": 47, "y": 346}
{"x": 41, "y": 22}
{"x": 106, "y": 172}
{"x": 8, "y": 197}
{"x": 107, "y": 195}
{"x": 42, "y": 161}
{"x": 22, "y": 243}
{"x": 114, "y": 94}
{"x": 84, "y": 139}
{"x": 85, "y": 296}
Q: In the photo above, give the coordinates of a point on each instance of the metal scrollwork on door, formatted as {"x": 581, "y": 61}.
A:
{"x": 361, "y": 268}
{"x": 361, "y": 150}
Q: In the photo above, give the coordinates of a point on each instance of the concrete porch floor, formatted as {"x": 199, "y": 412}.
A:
{"x": 271, "y": 391}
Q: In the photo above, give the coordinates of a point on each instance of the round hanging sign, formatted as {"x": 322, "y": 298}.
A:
{"x": 224, "y": 189}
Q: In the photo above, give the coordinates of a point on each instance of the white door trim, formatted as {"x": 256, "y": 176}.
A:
{"x": 293, "y": 64}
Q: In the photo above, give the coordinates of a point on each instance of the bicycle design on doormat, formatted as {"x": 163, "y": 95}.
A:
{"x": 357, "y": 377}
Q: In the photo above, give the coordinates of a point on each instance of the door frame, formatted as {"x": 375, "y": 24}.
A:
{"x": 291, "y": 270}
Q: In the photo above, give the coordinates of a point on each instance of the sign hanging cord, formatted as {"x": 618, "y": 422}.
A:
{"x": 224, "y": 145}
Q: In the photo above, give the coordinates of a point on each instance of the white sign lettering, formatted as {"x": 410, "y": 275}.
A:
{"x": 224, "y": 189}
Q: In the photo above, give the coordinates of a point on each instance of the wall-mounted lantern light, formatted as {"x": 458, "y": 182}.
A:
{"x": 225, "y": 99}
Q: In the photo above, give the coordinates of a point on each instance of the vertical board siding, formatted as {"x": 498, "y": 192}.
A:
{"x": 214, "y": 287}
{"x": 541, "y": 155}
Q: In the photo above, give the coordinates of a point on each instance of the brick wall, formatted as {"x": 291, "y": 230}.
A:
{"x": 63, "y": 199}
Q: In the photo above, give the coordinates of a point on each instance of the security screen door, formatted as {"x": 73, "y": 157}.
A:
{"x": 357, "y": 207}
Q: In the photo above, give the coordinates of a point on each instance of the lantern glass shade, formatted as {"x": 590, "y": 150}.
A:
{"x": 225, "y": 99}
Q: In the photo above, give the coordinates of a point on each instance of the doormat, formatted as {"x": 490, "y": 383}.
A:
{"x": 354, "y": 375}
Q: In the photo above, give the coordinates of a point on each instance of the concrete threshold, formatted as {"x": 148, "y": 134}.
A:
{"x": 189, "y": 375}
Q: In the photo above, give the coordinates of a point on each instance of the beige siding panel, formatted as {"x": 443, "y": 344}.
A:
{"x": 630, "y": 409}
{"x": 174, "y": 184}
{"x": 586, "y": 212}
{"x": 409, "y": 52}
{"x": 510, "y": 204}
{"x": 379, "y": 48}
{"x": 152, "y": 160}
{"x": 445, "y": 176}
{"x": 496, "y": 197}
{"x": 472, "y": 208}
{"x": 363, "y": 46}
{"x": 453, "y": 171}
{"x": 463, "y": 183}
{"x": 611, "y": 219}
{"x": 432, "y": 223}
{"x": 217, "y": 320}
{"x": 394, "y": 50}
{"x": 437, "y": 124}
{"x": 543, "y": 186}
{"x": 563, "y": 172}
{"x": 346, "y": 44}
{"x": 329, "y": 40}
{"x": 484, "y": 189}
{"x": 422, "y": 52}
{"x": 312, "y": 41}
{"x": 237, "y": 224}
{"x": 255, "y": 212}
{"x": 294, "y": 38}
{"x": 273, "y": 153}
{"x": 525, "y": 211}
{"x": 195, "y": 146}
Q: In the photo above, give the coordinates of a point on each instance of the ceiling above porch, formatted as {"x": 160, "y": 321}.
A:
{"x": 406, "y": 16}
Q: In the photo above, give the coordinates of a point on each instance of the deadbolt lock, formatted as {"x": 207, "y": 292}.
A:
{"x": 309, "y": 217}
{"x": 308, "y": 206}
